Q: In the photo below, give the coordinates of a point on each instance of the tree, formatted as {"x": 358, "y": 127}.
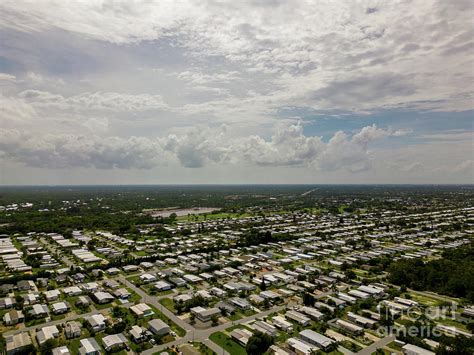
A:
{"x": 350, "y": 274}
{"x": 215, "y": 320}
{"x": 308, "y": 299}
{"x": 263, "y": 286}
{"x": 47, "y": 347}
{"x": 258, "y": 343}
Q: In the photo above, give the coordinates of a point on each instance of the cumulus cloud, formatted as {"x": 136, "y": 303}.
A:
{"x": 194, "y": 148}
{"x": 68, "y": 150}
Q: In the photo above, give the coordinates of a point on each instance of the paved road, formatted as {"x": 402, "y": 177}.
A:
{"x": 153, "y": 300}
{"x": 202, "y": 335}
{"x": 192, "y": 334}
{"x": 377, "y": 345}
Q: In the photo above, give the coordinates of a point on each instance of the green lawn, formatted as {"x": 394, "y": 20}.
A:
{"x": 452, "y": 323}
{"x": 235, "y": 316}
{"x": 203, "y": 349}
{"x": 351, "y": 346}
{"x": 168, "y": 303}
{"x": 392, "y": 345}
{"x": 227, "y": 343}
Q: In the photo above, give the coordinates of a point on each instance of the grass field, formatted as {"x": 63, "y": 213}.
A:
{"x": 227, "y": 343}
{"x": 168, "y": 303}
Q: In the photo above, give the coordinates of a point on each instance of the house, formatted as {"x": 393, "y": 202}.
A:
{"x": 90, "y": 287}
{"x": 31, "y": 298}
{"x": 178, "y": 281}
{"x": 72, "y": 291}
{"x": 241, "y": 303}
{"x": 61, "y": 350}
{"x": 281, "y": 323}
{"x": 39, "y": 311}
{"x": 51, "y": 295}
{"x": 372, "y": 290}
{"x": 114, "y": 342}
{"x": 158, "y": 327}
{"x": 122, "y": 293}
{"x": 26, "y": 285}
{"x": 7, "y": 302}
{"x": 265, "y": 328}
{"x": 96, "y": 322}
{"x": 6, "y": 289}
{"x": 192, "y": 278}
{"x": 298, "y": 317}
{"x": 313, "y": 313}
{"x": 205, "y": 314}
{"x": 72, "y": 329}
{"x": 112, "y": 284}
{"x": 241, "y": 336}
{"x": 146, "y": 265}
{"x": 142, "y": 310}
{"x": 468, "y": 312}
{"x": 18, "y": 343}
{"x": 225, "y": 307}
{"x": 362, "y": 321}
{"x": 256, "y": 299}
{"x": 147, "y": 278}
{"x": 183, "y": 298}
{"x": 409, "y": 349}
{"x": 13, "y": 317}
{"x": 60, "y": 307}
{"x": 359, "y": 294}
{"x": 102, "y": 297}
{"x": 270, "y": 295}
{"x": 275, "y": 350}
{"x": 317, "y": 339}
{"x": 162, "y": 286}
{"x": 82, "y": 301}
{"x": 138, "y": 334}
{"x": 113, "y": 271}
{"x": 301, "y": 347}
{"x": 218, "y": 292}
{"x": 204, "y": 294}
{"x": 46, "y": 333}
{"x": 130, "y": 268}
{"x": 89, "y": 346}
{"x": 350, "y": 327}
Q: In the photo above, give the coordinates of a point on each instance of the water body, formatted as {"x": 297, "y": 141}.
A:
{"x": 182, "y": 211}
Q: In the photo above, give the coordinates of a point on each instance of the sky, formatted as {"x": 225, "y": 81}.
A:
{"x": 235, "y": 92}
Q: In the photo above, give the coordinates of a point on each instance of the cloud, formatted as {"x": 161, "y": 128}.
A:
{"x": 15, "y": 110}
{"x": 193, "y": 148}
{"x": 7, "y": 77}
{"x": 67, "y": 151}
{"x": 363, "y": 90}
{"x": 109, "y": 101}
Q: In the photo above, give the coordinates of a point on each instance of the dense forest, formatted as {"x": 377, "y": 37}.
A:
{"x": 452, "y": 275}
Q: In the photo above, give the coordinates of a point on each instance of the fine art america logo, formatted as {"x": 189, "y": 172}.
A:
{"x": 415, "y": 320}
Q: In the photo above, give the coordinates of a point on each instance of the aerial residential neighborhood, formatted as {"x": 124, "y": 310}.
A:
{"x": 236, "y": 177}
{"x": 258, "y": 280}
